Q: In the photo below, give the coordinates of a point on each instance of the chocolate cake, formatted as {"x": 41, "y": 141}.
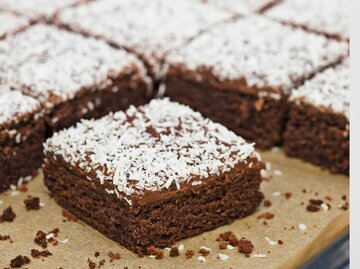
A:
{"x": 148, "y": 28}
{"x": 240, "y": 73}
{"x": 153, "y": 174}
{"x": 22, "y": 133}
{"x": 318, "y": 128}
{"x": 243, "y": 6}
{"x": 11, "y": 24}
{"x": 73, "y": 77}
{"x": 37, "y": 10}
{"x": 328, "y": 17}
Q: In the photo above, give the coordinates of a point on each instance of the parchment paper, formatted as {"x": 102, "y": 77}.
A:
{"x": 323, "y": 227}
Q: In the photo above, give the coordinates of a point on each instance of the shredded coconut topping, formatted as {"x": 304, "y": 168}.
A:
{"x": 261, "y": 51}
{"x": 331, "y": 17}
{"x": 147, "y": 27}
{"x": 152, "y": 147}
{"x": 36, "y": 9}
{"x": 45, "y": 61}
{"x": 329, "y": 89}
{"x": 241, "y": 7}
{"x": 13, "y": 105}
{"x": 11, "y": 23}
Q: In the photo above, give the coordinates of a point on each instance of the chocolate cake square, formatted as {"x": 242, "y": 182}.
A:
{"x": 22, "y": 133}
{"x": 11, "y": 24}
{"x": 240, "y": 73}
{"x": 243, "y": 6}
{"x": 153, "y": 174}
{"x": 318, "y": 128}
{"x": 327, "y": 17}
{"x": 72, "y": 76}
{"x": 37, "y": 10}
{"x": 148, "y": 28}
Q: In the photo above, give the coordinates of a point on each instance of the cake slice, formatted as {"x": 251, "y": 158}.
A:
{"x": 22, "y": 133}
{"x": 148, "y": 28}
{"x": 318, "y": 128}
{"x": 11, "y": 24}
{"x": 240, "y": 73}
{"x": 73, "y": 77}
{"x": 153, "y": 174}
{"x": 327, "y": 17}
{"x": 37, "y": 10}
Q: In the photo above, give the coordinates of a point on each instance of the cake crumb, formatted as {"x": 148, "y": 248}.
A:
{"x": 8, "y": 215}
{"x": 245, "y": 246}
{"x": 228, "y": 237}
{"x": 266, "y": 215}
{"x": 32, "y": 203}
{"x": 97, "y": 254}
{"x": 267, "y": 203}
{"x": 189, "y": 254}
{"x": 19, "y": 261}
{"x": 153, "y": 251}
{"x": 223, "y": 244}
{"x": 113, "y": 256}
{"x": 4, "y": 237}
{"x": 37, "y": 254}
{"x": 204, "y": 251}
{"x": 280, "y": 242}
{"x": 40, "y": 239}
{"x": 174, "y": 252}
{"x": 287, "y": 195}
{"x": 91, "y": 264}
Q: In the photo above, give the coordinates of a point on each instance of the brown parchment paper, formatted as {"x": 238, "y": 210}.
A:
{"x": 83, "y": 241}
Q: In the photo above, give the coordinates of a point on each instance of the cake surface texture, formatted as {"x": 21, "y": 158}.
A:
{"x": 37, "y": 9}
{"x": 251, "y": 74}
{"x": 148, "y": 28}
{"x": 21, "y": 137}
{"x": 318, "y": 126}
{"x": 72, "y": 76}
{"x": 145, "y": 162}
{"x": 329, "y": 17}
{"x": 10, "y": 24}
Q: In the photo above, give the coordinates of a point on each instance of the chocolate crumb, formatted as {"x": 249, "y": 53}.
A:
{"x": 267, "y": 203}
{"x": 245, "y": 246}
{"x": 204, "y": 252}
{"x": 91, "y": 264}
{"x": 189, "y": 254}
{"x": 317, "y": 202}
{"x": 312, "y": 208}
{"x": 345, "y": 206}
{"x": 156, "y": 252}
{"x": 344, "y": 197}
{"x": 265, "y": 222}
{"x": 40, "y": 239}
{"x": 228, "y": 237}
{"x": 174, "y": 252}
{"x": 19, "y": 261}
{"x": 280, "y": 242}
{"x": 23, "y": 188}
{"x": 223, "y": 244}
{"x": 328, "y": 198}
{"x": 266, "y": 215}
{"x": 101, "y": 263}
{"x": 32, "y": 203}
{"x": 8, "y": 215}
{"x": 287, "y": 195}
{"x": 97, "y": 254}
{"x": 4, "y": 237}
{"x": 304, "y": 190}
{"x": 37, "y": 254}
{"x": 114, "y": 256}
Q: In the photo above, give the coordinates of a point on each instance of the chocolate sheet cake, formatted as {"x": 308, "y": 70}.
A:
{"x": 73, "y": 77}
{"x": 240, "y": 73}
{"x": 37, "y": 10}
{"x": 318, "y": 128}
{"x": 328, "y": 17}
{"x": 22, "y": 133}
{"x": 11, "y": 24}
{"x": 153, "y": 174}
{"x": 148, "y": 28}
